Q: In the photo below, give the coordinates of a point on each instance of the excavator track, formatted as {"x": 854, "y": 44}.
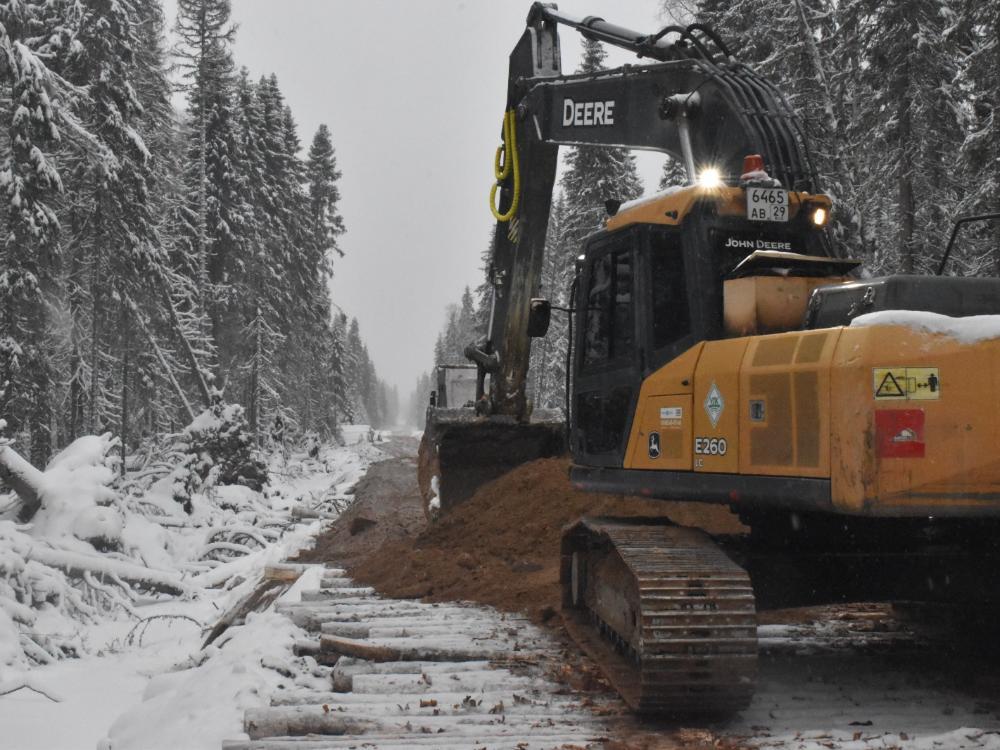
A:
{"x": 668, "y": 617}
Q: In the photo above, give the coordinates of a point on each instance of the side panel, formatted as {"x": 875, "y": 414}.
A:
{"x": 663, "y": 435}
{"x": 716, "y": 407}
{"x": 917, "y": 424}
{"x": 675, "y": 379}
{"x": 785, "y": 404}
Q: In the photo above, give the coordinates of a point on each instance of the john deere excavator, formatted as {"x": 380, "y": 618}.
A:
{"x": 723, "y": 353}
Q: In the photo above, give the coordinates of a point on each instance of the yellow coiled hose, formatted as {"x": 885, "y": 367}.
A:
{"x": 504, "y": 163}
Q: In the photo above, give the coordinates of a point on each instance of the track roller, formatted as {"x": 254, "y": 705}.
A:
{"x": 665, "y": 613}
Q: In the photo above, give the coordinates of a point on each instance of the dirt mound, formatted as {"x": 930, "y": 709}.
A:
{"x": 501, "y": 547}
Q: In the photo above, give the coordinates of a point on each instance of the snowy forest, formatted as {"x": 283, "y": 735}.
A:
{"x": 171, "y": 360}
{"x": 159, "y": 261}
{"x": 898, "y": 101}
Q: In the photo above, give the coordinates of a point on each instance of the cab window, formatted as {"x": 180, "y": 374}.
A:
{"x": 609, "y": 327}
{"x": 671, "y": 312}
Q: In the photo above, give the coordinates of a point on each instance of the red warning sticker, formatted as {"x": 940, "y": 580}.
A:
{"x": 899, "y": 433}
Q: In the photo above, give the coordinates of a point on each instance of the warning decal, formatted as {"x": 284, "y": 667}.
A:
{"x": 906, "y": 383}
{"x": 890, "y": 383}
{"x": 671, "y": 416}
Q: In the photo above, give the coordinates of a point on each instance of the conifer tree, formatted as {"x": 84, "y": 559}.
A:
{"x": 218, "y": 212}
{"x": 980, "y": 151}
{"x": 595, "y": 174}
{"x": 673, "y": 174}
{"x": 112, "y": 223}
{"x": 33, "y": 37}
{"x": 548, "y": 354}
{"x": 324, "y": 194}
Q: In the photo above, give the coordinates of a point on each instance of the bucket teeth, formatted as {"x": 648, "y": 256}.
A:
{"x": 668, "y": 617}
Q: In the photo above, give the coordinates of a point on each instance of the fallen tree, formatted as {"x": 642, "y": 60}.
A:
{"x": 26, "y": 481}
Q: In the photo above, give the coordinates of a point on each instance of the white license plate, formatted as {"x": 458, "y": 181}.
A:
{"x": 767, "y": 204}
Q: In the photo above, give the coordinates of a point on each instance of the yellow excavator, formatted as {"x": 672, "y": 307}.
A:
{"x": 723, "y": 352}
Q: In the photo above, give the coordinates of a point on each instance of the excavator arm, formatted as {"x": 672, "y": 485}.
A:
{"x": 695, "y": 102}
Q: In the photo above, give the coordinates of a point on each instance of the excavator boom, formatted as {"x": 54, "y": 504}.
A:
{"x": 697, "y": 104}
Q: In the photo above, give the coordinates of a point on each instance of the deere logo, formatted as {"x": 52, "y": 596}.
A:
{"x": 588, "y": 114}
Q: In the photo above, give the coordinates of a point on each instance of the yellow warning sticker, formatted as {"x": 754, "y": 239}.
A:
{"x": 906, "y": 383}
{"x": 923, "y": 383}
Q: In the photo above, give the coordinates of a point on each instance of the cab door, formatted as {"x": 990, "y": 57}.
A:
{"x": 607, "y": 357}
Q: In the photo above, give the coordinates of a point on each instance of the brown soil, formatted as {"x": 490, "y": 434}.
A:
{"x": 387, "y": 508}
{"x": 499, "y": 548}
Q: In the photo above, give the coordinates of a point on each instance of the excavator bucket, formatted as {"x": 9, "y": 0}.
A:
{"x": 460, "y": 452}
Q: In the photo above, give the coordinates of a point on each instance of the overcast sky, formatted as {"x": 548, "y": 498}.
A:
{"x": 413, "y": 92}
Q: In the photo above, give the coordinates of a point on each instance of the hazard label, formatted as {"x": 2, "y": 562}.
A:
{"x": 906, "y": 383}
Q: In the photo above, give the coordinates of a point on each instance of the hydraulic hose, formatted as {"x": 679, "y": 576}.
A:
{"x": 504, "y": 163}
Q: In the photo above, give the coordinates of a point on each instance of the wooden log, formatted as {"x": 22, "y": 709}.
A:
{"x": 298, "y": 721}
{"x": 335, "y": 582}
{"x": 260, "y": 598}
{"x": 77, "y": 563}
{"x": 300, "y": 513}
{"x": 422, "y": 652}
{"x": 432, "y": 618}
{"x": 470, "y": 682}
{"x": 373, "y": 606}
{"x": 348, "y": 668}
{"x": 450, "y": 703}
{"x": 312, "y": 615}
{"x": 464, "y": 707}
{"x": 26, "y": 481}
{"x": 305, "y": 648}
{"x": 345, "y": 629}
{"x": 347, "y": 592}
{"x": 539, "y": 737}
{"x": 435, "y": 628}
{"x": 288, "y": 721}
{"x": 289, "y": 572}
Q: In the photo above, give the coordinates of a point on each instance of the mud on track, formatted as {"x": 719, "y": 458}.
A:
{"x": 837, "y": 677}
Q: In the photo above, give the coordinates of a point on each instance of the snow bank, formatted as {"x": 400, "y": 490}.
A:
{"x": 197, "y": 708}
{"x": 968, "y": 330}
{"x": 100, "y": 545}
{"x": 74, "y": 483}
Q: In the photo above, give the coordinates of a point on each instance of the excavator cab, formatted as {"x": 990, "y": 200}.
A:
{"x": 670, "y": 271}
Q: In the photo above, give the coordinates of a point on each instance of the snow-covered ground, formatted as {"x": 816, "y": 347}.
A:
{"x": 139, "y": 679}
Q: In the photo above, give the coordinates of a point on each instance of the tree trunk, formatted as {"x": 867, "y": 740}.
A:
{"x": 196, "y": 371}
{"x": 996, "y": 138}
{"x": 905, "y": 187}
{"x": 167, "y": 371}
{"x": 125, "y": 377}
{"x": 41, "y": 393}
{"x": 95, "y": 366}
